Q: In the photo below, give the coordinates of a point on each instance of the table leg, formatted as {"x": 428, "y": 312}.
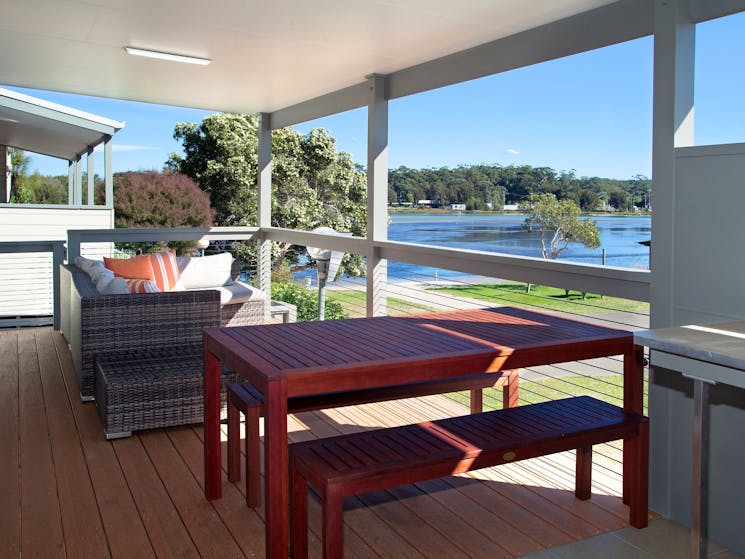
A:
{"x": 633, "y": 400}
{"x": 276, "y": 471}
{"x": 699, "y": 473}
{"x": 212, "y": 465}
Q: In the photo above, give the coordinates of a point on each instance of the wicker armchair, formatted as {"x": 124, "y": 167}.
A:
{"x": 98, "y": 324}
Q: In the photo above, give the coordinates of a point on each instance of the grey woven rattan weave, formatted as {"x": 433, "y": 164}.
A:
{"x": 243, "y": 314}
{"x": 152, "y": 389}
{"x": 99, "y": 324}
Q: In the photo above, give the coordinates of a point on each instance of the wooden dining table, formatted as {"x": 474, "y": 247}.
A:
{"x": 287, "y": 360}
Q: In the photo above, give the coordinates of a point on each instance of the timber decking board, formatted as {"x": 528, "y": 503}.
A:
{"x": 10, "y": 487}
{"x": 142, "y": 496}
{"x": 205, "y": 526}
{"x": 167, "y": 532}
{"x": 125, "y": 532}
{"x": 81, "y": 522}
{"x": 41, "y": 524}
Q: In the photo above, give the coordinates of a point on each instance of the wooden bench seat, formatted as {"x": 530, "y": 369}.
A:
{"x": 373, "y": 460}
{"x": 243, "y": 397}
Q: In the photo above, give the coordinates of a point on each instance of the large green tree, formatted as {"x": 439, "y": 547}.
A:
{"x": 312, "y": 183}
{"x": 559, "y": 224}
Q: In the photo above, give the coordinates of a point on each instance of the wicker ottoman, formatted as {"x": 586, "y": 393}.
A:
{"x": 151, "y": 389}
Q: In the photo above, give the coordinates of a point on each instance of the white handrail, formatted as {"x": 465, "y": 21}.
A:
{"x": 75, "y": 237}
{"x": 618, "y": 282}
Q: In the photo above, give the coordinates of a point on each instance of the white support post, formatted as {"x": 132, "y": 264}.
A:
{"x": 377, "y": 194}
{"x": 91, "y": 178}
{"x": 70, "y": 183}
{"x": 7, "y": 182}
{"x": 73, "y": 245}
{"x": 672, "y": 126}
{"x": 108, "y": 173}
{"x": 264, "y": 206}
{"x": 58, "y": 254}
{"x": 78, "y": 182}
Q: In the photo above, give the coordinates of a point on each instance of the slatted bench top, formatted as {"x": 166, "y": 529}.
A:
{"x": 459, "y": 444}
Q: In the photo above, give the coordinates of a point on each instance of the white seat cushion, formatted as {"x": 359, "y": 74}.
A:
{"x": 239, "y": 292}
{"x": 205, "y": 272}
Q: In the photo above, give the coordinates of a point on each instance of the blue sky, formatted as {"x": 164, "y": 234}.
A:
{"x": 591, "y": 113}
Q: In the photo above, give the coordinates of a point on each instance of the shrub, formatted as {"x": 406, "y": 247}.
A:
{"x": 306, "y": 301}
{"x": 152, "y": 199}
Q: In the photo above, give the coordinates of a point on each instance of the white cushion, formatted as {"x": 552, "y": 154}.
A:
{"x": 108, "y": 284}
{"x": 239, "y": 292}
{"x": 202, "y": 272}
{"x": 103, "y": 278}
{"x": 89, "y": 266}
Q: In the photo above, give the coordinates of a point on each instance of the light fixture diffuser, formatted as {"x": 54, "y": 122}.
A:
{"x": 167, "y": 56}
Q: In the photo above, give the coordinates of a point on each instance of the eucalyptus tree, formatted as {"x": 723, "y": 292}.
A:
{"x": 558, "y": 223}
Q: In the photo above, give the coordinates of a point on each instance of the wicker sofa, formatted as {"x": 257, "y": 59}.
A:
{"x": 95, "y": 324}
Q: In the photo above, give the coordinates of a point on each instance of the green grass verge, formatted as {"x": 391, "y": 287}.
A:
{"x": 354, "y": 303}
{"x": 605, "y": 387}
{"x": 544, "y": 297}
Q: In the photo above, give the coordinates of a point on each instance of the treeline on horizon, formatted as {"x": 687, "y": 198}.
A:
{"x": 485, "y": 187}
{"x": 479, "y": 187}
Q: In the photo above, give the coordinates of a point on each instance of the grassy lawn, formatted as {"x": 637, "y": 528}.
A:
{"x": 354, "y": 303}
{"x": 545, "y": 297}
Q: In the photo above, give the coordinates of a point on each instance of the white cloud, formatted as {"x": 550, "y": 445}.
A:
{"x": 512, "y": 151}
{"x": 125, "y": 147}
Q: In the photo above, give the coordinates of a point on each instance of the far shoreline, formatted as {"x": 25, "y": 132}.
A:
{"x": 440, "y": 211}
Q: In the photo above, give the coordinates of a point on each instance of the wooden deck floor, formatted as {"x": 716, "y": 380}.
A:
{"x": 66, "y": 492}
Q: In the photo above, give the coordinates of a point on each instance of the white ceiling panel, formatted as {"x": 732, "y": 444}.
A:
{"x": 266, "y": 54}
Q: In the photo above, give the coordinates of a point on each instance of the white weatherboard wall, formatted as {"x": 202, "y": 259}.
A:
{"x": 26, "y": 278}
{"x": 708, "y": 285}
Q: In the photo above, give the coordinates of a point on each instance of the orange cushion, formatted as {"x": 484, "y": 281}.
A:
{"x": 141, "y": 286}
{"x": 165, "y": 270}
{"x": 137, "y": 267}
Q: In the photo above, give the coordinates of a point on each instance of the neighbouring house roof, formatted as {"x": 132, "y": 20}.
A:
{"x": 39, "y": 126}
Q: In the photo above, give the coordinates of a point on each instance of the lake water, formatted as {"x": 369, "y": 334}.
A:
{"x": 504, "y": 233}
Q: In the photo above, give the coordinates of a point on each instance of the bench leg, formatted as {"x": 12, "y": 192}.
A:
{"x": 510, "y": 383}
{"x": 477, "y": 400}
{"x": 298, "y": 516}
{"x": 511, "y": 389}
{"x": 333, "y": 525}
{"x": 583, "y": 476}
{"x": 636, "y": 453}
{"x": 253, "y": 458}
{"x": 234, "y": 443}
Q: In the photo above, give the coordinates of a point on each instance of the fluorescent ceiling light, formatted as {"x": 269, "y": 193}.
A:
{"x": 167, "y": 56}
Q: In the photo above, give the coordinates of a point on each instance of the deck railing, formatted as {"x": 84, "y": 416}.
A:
{"x": 33, "y": 279}
{"x": 611, "y": 281}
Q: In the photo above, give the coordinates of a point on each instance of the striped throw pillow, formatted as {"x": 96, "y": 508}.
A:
{"x": 141, "y": 286}
{"x": 165, "y": 270}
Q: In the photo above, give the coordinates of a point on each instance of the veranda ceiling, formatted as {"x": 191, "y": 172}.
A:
{"x": 266, "y": 54}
